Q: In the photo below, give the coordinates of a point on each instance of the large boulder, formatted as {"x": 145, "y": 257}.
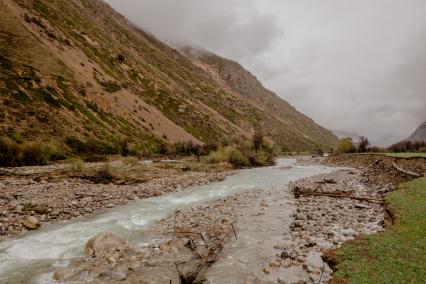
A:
{"x": 31, "y": 223}
{"x": 104, "y": 243}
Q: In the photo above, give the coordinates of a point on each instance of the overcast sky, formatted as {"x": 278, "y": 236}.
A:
{"x": 352, "y": 65}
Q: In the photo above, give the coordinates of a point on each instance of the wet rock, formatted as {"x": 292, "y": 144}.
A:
{"x": 105, "y": 242}
{"x": 31, "y": 223}
{"x": 285, "y": 255}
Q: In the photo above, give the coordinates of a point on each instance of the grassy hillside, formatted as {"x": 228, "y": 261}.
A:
{"x": 78, "y": 73}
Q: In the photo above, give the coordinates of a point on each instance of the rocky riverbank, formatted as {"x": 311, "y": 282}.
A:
{"x": 185, "y": 243}
{"x": 325, "y": 211}
{"x": 265, "y": 236}
{"x": 30, "y": 196}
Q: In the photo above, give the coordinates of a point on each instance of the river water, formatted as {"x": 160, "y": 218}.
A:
{"x": 23, "y": 258}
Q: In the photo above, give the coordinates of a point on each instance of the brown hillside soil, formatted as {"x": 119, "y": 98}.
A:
{"x": 97, "y": 76}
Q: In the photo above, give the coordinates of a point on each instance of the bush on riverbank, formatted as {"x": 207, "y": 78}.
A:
{"x": 32, "y": 153}
{"x": 255, "y": 153}
{"x": 397, "y": 255}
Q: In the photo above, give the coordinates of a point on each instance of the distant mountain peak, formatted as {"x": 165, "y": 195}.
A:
{"x": 419, "y": 134}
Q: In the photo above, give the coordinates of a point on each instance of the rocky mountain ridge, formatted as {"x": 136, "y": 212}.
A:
{"x": 80, "y": 70}
{"x": 419, "y": 134}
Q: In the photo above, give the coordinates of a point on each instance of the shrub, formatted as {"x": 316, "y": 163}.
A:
{"x": 262, "y": 158}
{"x": 28, "y": 153}
{"x": 346, "y": 145}
{"x": 35, "y": 153}
{"x": 76, "y": 165}
{"x": 95, "y": 147}
{"x": 17, "y": 138}
{"x": 10, "y": 154}
{"x": 237, "y": 159}
{"x": 111, "y": 86}
{"x": 131, "y": 161}
{"x": 229, "y": 154}
{"x": 259, "y": 151}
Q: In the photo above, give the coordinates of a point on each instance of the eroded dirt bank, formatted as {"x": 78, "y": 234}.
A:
{"x": 380, "y": 169}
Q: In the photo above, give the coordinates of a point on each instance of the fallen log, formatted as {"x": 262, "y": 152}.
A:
{"x": 297, "y": 191}
{"x": 333, "y": 195}
{"x": 404, "y": 171}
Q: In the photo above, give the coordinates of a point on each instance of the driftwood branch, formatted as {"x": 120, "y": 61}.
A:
{"x": 404, "y": 171}
{"x": 297, "y": 191}
{"x": 233, "y": 229}
{"x": 334, "y": 195}
{"x": 213, "y": 244}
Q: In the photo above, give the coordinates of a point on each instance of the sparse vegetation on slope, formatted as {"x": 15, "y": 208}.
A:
{"x": 97, "y": 77}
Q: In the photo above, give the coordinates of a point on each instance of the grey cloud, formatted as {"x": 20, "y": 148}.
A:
{"x": 228, "y": 27}
{"x": 356, "y": 65}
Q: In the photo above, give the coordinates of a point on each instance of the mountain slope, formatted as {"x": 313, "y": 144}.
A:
{"x": 419, "y": 134}
{"x": 282, "y": 120}
{"x": 79, "y": 69}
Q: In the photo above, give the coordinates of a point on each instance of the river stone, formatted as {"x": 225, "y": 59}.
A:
{"x": 31, "y": 223}
{"x": 300, "y": 216}
{"x": 65, "y": 273}
{"x": 285, "y": 255}
{"x": 285, "y": 244}
{"x": 164, "y": 246}
{"x": 105, "y": 242}
{"x": 274, "y": 264}
{"x": 120, "y": 276}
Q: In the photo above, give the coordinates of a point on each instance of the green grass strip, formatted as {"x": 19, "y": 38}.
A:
{"x": 399, "y": 254}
